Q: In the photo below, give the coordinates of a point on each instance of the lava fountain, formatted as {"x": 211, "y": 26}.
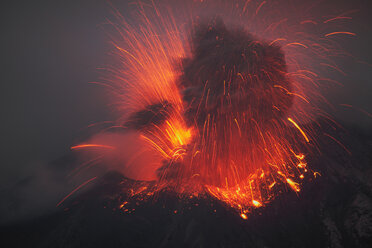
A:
{"x": 225, "y": 108}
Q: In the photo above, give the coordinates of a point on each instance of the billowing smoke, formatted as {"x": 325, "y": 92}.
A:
{"x": 231, "y": 71}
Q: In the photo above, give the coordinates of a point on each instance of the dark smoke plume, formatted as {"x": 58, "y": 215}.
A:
{"x": 231, "y": 71}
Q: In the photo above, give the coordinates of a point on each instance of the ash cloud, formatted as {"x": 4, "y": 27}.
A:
{"x": 231, "y": 71}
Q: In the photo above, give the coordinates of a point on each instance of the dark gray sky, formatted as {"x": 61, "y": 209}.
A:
{"x": 51, "y": 52}
{"x": 52, "y": 49}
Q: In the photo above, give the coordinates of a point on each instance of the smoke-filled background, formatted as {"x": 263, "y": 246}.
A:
{"x": 51, "y": 51}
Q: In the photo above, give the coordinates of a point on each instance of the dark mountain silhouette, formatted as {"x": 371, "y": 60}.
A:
{"x": 335, "y": 210}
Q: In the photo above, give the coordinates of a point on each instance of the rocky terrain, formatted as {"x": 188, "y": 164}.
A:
{"x": 334, "y": 210}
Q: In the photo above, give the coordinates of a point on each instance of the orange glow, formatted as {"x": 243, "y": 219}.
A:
{"x": 169, "y": 138}
{"x": 123, "y": 204}
{"x": 300, "y": 156}
{"x": 316, "y": 174}
{"x": 256, "y": 203}
{"x": 293, "y": 185}
{"x": 244, "y": 216}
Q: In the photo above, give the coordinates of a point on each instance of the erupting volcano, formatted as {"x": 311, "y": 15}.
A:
{"x": 213, "y": 109}
{"x": 227, "y": 134}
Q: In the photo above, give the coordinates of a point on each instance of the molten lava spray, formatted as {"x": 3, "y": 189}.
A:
{"x": 224, "y": 110}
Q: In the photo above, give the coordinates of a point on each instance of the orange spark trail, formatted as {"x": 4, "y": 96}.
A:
{"x": 338, "y": 142}
{"x": 293, "y": 185}
{"x": 338, "y": 18}
{"x": 92, "y": 146}
{"x": 259, "y": 7}
{"x": 335, "y": 33}
{"x": 298, "y": 127}
{"x": 76, "y": 189}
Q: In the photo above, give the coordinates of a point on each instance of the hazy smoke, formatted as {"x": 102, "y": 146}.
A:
{"x": 37, "y": 193}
